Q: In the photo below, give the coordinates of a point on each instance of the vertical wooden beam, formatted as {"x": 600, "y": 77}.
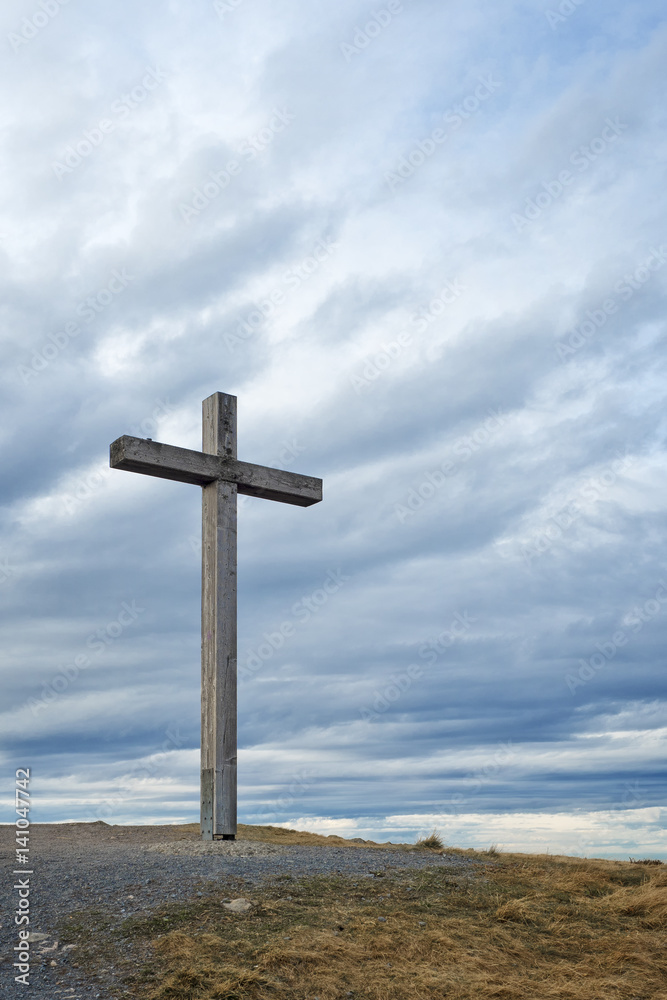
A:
{"x": 218, "y": 657}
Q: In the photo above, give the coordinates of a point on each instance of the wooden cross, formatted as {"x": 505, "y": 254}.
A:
{"x": 216, "y": 469}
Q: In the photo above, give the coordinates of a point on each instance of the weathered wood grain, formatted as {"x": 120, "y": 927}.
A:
{"x": 218, "y": 625}
{"x": 151, "y": 458}
{"x": 207, "y": 808}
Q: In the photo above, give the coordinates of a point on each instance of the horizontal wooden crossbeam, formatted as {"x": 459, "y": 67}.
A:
{"x": 151, "y": 458}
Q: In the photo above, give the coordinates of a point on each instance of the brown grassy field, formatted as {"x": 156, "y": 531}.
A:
{"x": 517, "y": 927}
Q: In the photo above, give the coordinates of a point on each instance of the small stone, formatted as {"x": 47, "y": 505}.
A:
{"x": 53, "y": 962}
{"x": 382, "y": 920}
{"x": 422, "y": 923}
{"x": 239, "y": 905}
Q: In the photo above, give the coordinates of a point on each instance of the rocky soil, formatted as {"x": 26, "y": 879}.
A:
{"x": 126, "y": 872}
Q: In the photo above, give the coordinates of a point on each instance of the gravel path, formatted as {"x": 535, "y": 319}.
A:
{"x": 130, "y": 871}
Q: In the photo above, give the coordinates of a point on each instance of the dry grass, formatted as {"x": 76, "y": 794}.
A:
{"x": 518, "y": 927}
{"x": 433, "y": 842}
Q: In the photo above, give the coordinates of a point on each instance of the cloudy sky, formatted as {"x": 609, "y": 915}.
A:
{"x": 425, "y": 245}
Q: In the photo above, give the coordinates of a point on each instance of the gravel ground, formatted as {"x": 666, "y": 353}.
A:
{"x": 130, "y": 871}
